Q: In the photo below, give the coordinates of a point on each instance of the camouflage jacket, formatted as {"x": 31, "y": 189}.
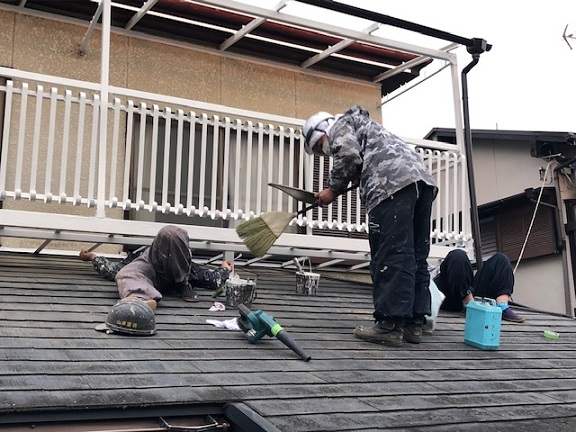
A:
{"x": 368, "y": 155}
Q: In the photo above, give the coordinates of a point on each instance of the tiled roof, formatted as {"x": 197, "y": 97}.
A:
{"x": 52, "y": 359}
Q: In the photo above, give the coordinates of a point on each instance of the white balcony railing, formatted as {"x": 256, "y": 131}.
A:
{"x": 175, "y": 156}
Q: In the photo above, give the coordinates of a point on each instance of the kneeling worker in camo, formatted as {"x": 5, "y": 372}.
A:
{"x": 169, "y": 238}
{"x": 143, "y": 277}
{"x": 162, "y": 267}
{"x": 397, "y": 191}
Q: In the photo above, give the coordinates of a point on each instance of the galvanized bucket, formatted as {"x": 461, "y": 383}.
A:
{"x": 306, "y": 282}
{"x": 240, "y": 291}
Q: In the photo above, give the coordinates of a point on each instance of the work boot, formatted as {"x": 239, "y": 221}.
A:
{"x": 413, "y": 330}
{"x": 429, "y": 326}
{"x": 387, "y": 332}
{"x": 152, "y": 303}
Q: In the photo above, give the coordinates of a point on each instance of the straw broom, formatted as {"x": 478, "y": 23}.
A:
{"x": 259, "y": 234}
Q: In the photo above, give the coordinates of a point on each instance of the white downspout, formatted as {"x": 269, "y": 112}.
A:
{"x": 104, "y": 90}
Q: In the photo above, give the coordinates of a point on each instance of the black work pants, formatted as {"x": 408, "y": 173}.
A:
{"x": 456, "y": 279}
{"x": 400, "y": 243}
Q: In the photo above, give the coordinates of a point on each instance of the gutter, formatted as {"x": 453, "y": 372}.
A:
{"x": 394, "y": 22}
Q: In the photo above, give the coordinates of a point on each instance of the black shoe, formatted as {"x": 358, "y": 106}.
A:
{"x": 387, "y": 332}
{"x": 188, "y": 294}
{"x": 509, "y": 315}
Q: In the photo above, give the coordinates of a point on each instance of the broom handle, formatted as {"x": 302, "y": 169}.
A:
{"x": 317, "y": 204}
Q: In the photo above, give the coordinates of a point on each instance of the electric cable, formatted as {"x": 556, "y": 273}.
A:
{"x": 533, "y": 216}
{"x": 542, "y": 311}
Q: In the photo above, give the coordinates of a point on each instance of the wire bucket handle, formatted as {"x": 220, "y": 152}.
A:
{"x": 299, "y": 266}
{"x": 254, "y": 274}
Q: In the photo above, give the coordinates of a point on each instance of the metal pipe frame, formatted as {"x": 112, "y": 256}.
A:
{"x": 341, "y": 32}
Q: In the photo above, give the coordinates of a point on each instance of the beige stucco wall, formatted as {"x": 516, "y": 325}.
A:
{"x": 7, "y": 37}
{"x": 313, "y": 94}
{"x": 503, "y": 169}
{"x": 237, "y": 83}
{"x": 49, "y": 47}
{"x": 539, "y": 283}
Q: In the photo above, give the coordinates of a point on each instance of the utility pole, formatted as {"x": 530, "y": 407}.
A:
{"x": 567, "y": 37}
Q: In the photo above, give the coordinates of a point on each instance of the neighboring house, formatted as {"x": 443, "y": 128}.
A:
{"x": 204, "y": 102}
{"x": 510, "y": 169}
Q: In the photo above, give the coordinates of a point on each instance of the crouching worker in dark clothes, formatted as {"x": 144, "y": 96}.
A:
{"x": 397, "y": 190}
{"x": 165, "y": 266}
{"x": 459, "y": 284}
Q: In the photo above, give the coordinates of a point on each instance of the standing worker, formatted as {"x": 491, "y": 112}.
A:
{"x": 397, "y": 191}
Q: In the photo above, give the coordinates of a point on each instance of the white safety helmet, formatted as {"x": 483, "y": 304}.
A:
{"x": 316, "y": 126}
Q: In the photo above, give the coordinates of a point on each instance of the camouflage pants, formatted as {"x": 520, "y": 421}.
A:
{"x": 107, "y": 268}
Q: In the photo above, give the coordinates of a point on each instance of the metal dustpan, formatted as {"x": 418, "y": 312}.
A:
{"x": 299, "y": 194}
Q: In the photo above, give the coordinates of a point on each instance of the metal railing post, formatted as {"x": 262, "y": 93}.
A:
{"x": 104, "y": 90}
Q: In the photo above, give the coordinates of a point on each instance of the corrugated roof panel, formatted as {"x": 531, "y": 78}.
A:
{"x": 210, "y": 27}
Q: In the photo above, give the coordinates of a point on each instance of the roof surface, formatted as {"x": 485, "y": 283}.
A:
{"x": 51, "y": 358}
{"x": 449, "y": 135}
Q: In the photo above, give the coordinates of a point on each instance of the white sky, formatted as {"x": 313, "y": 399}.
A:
{"x": 526, "y": 82}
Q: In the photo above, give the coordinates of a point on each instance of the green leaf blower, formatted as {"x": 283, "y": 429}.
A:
{"x": 256, "y": 325}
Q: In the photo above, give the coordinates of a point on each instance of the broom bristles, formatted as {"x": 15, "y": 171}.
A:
{"x": 259, "y": 234}
{"x": 260, "y": 244}
{"x": 249, "y": 227}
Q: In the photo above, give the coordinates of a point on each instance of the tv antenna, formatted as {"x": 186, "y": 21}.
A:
{"x": 568, "y": 36}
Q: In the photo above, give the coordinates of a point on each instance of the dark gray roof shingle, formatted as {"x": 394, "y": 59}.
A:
{"x": 51, "y": 358}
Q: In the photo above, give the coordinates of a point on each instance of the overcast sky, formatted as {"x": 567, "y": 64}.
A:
{"x": 526, "y": 82}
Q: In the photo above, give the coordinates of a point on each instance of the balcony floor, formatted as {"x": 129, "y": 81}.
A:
{"x": 52, "y": 359}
